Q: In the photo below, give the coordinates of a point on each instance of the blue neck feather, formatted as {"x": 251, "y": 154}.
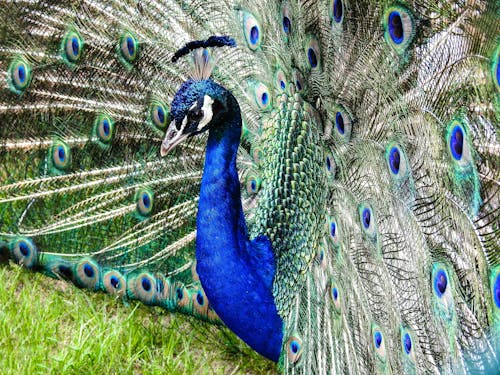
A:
{"x": 236, "y": 273}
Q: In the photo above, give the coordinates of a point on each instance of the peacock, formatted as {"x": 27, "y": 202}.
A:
{"x": 320, "y": 176}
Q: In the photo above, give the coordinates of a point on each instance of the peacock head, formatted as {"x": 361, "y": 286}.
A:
{"x": 200, "y": 104}
{"x": 197, "y": 107}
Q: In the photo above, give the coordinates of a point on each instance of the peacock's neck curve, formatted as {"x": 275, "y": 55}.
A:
{"x": 234, "y": 271}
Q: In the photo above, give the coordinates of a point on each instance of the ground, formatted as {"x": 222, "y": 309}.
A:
{"x": 50, "y": 326}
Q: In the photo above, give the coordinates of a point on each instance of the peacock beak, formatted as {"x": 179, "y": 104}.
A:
{"x": 173, "y": 137}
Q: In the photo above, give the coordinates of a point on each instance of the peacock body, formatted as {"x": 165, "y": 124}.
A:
{"x": 339, "y": 210}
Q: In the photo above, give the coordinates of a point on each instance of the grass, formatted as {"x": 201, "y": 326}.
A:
{"x": 51, "y": 327}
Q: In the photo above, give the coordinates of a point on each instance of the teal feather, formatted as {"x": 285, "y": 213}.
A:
{"x": 369, "y": 158}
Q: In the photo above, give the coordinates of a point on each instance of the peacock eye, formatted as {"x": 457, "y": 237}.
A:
{"x": 195, "y": 115}
{"x": 298, "y": 80}
{"x": 343, "y": 123}
{"x": 142, "y": 287}
{"x": 378, "y": 343}
{"x": 114, "y": 282}
{"x": 457, "y": 143}
{"x": 399, "y": 29}
{"x": 335, "y": 295}
{"x": 408, "y": 345}
{"x": 287, "y": 19}
{"x": 87, "y": 274}
{"x": 337, "y": 11}
{"x": 280, "y": 80}
{"x": 144, "y": 202}
{"x": 159, "y": 115}
{"x": 495, "y": 68}
{"x": 440, "y": 282}
{"x": 294, "y": 348}
{"x": 25, "y": 252}
{"x": 252, "y": 30}
{"x": 367, "y": 219}
{"x": 330, "y": 165}
{"x": 60, "y": 155}
{"x": 129, "y": 47}
{"x": 104, "y": 128}
{"x": 262, "y": 96}
{"x": 19, "y": 75}
{"x": 333, "y": 230}
{"x": 496, "y": 289}
{"x": 253, "y": 184}
{"x": 72, "y": 48}
{"x": 313, "y": 53}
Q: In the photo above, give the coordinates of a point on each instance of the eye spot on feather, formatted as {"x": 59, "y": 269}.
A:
{"x": 458, "y": 146}
{"x": 408, "y": 345}
{"x": 60, "y": 156}
{"x": 496, "y": 289}
{"x": 457, "y": 142}
{"x": 286, "y": 18}
{"x": 87, "y": 274}
{"x": 141, "y": 287}
{"x": 399, "y": 27}
{"x": 367, "y": 220}
{"x": 262, "y": 96}
{"x": 252, "y": 31}
{"x": 379, "y": 343}
{"x": 280, "y": 80}
{"x": 24, "y": 252}
{"x": 253, "y": 184}
{"x": 146, "y": 284}
{"x": 298, "y": 80}
{"x": 114, "y": 282}
{"x": 335, "y": 295}
{"x": 495, "y": 68}
{"x": 339, "y": 123}
{"x": 200, "y": 299}
{"x": 377, "y": 339}
{"x": 145, "y": 202}
{"x": 440, "y": 282}
{"x": 337, "y": 11}
{"x": 443, "y": 302}
{"x": 394, "y": 160}
{"x": 72, "y": 48}
{"x": 19, "y": 75}
{"x": 88, "y": 270}
{"x": 287, "y": 25}
{"x": 330, "y": 166}
{"x": 366, "y": 217}
{"x": 159, "y": 115}
{"x": 182, "y": 296}
{"x": 104, "y": 129}
{"x": 333, "y": 230}
{"x": 294, "y": 348}
{"x": 313, "y": 53}
{"x": 129, "y": 48}
{"x": 343, "y": 123}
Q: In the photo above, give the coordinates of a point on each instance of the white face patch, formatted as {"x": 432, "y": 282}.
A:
{"x": 207, "y": 112}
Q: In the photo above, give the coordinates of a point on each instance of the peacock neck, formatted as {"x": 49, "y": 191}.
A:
{"x": 236, "y": 274}
{"x": 220, "y": 196}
